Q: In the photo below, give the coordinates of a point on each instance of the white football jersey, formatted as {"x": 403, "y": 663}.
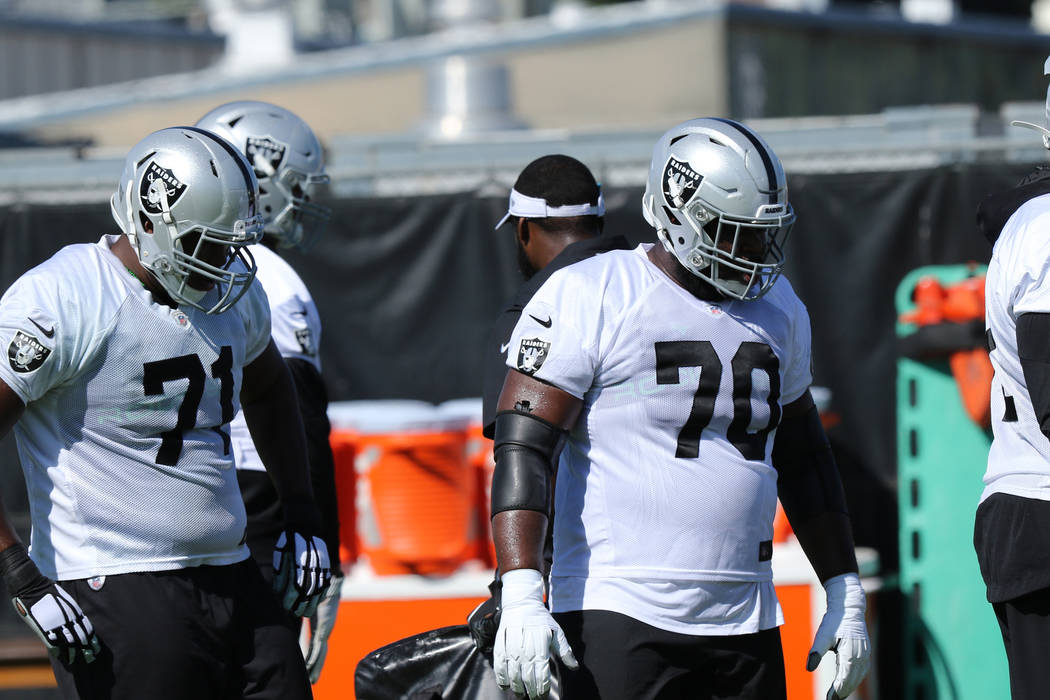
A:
{"x": 1017, "y": 282}
{"x": 124, "y": 441}
{"x": 665, "y": 492}
{"x": 296, "y": 328}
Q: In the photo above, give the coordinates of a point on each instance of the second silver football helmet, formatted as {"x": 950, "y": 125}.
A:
{"x": 187, "y": 202}
{"x": 717, "y": 196}
{"x": 288, "y": 161}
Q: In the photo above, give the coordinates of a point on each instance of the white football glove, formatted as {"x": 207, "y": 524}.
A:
{"x": 301, "y": 572}
{"x": 843, "y": 629}
{"x": 60, "y": 623}
{"x": 526, "y": 637}
{"x": 47, "y": 608}
{"x": 315, "y": 645}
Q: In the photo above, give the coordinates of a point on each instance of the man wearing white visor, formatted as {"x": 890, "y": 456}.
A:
{"x": 557, "y": 209}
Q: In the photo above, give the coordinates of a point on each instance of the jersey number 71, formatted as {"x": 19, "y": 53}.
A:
{"x": 190, "y": 367}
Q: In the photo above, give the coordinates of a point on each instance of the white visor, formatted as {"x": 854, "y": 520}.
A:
{"x": 537, "y": 208}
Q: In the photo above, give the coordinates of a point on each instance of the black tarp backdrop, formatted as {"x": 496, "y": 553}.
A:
{"x": 408, "y": 286}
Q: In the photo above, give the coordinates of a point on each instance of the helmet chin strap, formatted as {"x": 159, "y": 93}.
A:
{"x": 130, "y": 229}
{"x": 662, "y": 234}
{"x": 192, "y": 294}
{"x": 185, "y": 291}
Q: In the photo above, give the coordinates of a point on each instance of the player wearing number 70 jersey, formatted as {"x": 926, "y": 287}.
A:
{"x": 126, "y": 361}
{"x": 678, "y": 377}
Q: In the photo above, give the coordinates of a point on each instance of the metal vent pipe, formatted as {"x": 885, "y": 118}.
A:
{"x": 466, "y": 94}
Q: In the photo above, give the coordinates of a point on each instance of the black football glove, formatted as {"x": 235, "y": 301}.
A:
{"x": 483, "y": 621}
{"x": 48, "y": 609}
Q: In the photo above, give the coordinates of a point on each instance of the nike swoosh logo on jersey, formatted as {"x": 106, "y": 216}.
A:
{"x": 503, "y": 348}
{"x": 49, "y": 333}
{"x": 545, "y": 324}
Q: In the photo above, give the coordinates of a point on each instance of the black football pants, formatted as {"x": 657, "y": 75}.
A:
{"x": 201, "y": 633}
{"x": 1025, "y": 624}
{"x": 624, "y": 659}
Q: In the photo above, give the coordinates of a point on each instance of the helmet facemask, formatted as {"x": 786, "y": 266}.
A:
{"x": 298, "y": 222}
{"x": 741, "y": 258}
{"x": 218, "y": 259}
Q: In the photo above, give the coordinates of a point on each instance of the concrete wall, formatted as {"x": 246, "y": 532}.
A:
{"x": 657, "y": 75}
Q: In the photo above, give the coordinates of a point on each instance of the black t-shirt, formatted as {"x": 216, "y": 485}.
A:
{"x": 496, "y": 356}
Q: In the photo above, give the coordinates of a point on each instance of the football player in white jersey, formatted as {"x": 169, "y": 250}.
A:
{"x": 1013, "y": 517}
{"x": 677, "y": 376}
{"x": 289, "y": 162}
{"x": 127, "y": 360}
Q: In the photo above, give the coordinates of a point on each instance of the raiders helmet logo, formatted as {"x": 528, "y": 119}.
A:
{"x": 26, "y": 353}
{"x": 267, "y": 149}
{"x": 159, "y": 189}
{"x": 531, "y": 354}
{"x": 680, "y": 183}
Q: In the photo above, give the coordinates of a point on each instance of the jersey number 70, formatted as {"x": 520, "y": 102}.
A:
{"x": 670, "y": 356}
{"x": 190, "y": 367}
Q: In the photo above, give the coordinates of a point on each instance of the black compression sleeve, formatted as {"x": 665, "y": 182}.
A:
{"x": 313, "y": 404}
{"x": 808, "y": 481}
{"x": 524, "y": 449}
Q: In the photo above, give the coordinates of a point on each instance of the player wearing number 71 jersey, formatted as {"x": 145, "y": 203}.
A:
{"x": 678, "y": 376}
{"x": 126, "y": 361}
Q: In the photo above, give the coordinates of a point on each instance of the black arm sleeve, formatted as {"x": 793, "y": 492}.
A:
{"x": 525, "y": 448}
{"x": 313, "y": 404}
{"x": 1033, "y": 350}
{"x": 808, "y": 481}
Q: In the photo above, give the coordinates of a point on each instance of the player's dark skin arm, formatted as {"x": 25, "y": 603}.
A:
{"x": 11, "y": 408}
{"x": 271, "y": 410}
{"x": 519, "y": 534}
{"x": 826, "y": 538}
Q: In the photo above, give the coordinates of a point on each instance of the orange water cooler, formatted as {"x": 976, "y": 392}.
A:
{"x": 481, "y": 462}
{"x": 413, "y": 488}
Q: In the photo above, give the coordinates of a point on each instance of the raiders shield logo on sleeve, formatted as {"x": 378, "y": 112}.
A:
{"x": 306, "y": 341}
{"x": 680, "y": 183}
{"x": 26, "y": 353}
{"x": 531, "y": 354}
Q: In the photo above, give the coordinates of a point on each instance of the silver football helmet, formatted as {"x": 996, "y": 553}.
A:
{"x": 288, "y": 160}
{"x": 187, "y": 200}
{"x": 717, "y": 196}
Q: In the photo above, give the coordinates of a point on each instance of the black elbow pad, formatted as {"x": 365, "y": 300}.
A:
{"x": 808, "y": 481}
{"x": 525, "y": 447}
